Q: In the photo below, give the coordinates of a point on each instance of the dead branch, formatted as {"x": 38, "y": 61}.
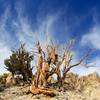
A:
{"x": 82, "y": 59}
{"x": 71, "y": 66}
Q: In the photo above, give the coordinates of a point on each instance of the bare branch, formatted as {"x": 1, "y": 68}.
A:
{"x": 83, "y": 58}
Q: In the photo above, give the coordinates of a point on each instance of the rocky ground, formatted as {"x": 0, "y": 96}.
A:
{"x": 20, "y": 93}
{"x": 91, "y": 91}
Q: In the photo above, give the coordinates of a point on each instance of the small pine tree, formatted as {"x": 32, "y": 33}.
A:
{"x": 20, "y": 63}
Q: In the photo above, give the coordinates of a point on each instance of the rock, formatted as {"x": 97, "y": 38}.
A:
{"x": 1, "y": 98}
{"x": 95, "y": 94}
{"x": 10, "y": 80}
{"x": 1, "y": 89}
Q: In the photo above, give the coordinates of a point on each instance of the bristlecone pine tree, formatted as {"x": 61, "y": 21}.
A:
{"x": 50, "y": 61}
{"x": 20, "y": 63}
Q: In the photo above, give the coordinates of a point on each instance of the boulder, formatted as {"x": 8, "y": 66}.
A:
{"x": 10, "y": 80}
{"x": 95, "y": 95}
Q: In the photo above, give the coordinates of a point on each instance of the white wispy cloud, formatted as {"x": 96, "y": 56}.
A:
{"x": 4, "y": 40}
{"x": 4, "y": 53}
{"x": 3, "y": 32}
{"x": 24, "y": 30}
{"x": 92, "y": 38}
{"x": 43, "y": 33}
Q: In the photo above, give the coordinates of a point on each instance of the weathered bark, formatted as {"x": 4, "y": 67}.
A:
{"x": 39, "y": 66}
{"x": 60, "y": 67}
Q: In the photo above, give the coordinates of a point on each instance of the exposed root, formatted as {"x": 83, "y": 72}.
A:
{"x": 42, "y": 90}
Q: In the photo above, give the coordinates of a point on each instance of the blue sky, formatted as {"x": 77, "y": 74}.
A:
{"x": 31, "y": 20}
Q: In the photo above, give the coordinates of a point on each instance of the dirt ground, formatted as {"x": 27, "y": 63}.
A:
{"x": 19, "y": 93}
